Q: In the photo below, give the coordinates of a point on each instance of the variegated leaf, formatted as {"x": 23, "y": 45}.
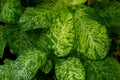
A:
{"x": 69, "y": 69}
{"x": 27, "y": 64}
{"x": 110, "y": 16}
{"x": 17, "y": 40}
{"x": 11, "y": 11}
{"x": 61, "y": 34}
{"x": 107, "y": 69}
{"x": 92, "y": 38}
{"x": 39, "y": 17}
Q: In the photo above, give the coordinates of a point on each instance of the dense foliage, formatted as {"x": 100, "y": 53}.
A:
{"x": 59, "y": 39}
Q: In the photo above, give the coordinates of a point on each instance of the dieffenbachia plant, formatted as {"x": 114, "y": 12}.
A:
{"x": 38, "y": 17}
{"x": 16, "y": 39}
{"x": 60, "y": 36}
{"x": 55, "y": 41}
{"x": 69, "y": 69}
{"x": 11, "y": 11}
{"x": 25, "y": 67}
{"x": 107, "y": 69}
{"x": 91, "y": 36}
{"x": 110, "y": 16}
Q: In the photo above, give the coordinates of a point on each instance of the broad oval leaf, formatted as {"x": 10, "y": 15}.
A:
{"x": 27, "y": 64}
{"x": 38, "y": 17}
{"x": 69, "y": 69}
{"x": 61, "y": 34}
{"x": 110, "y": 16}
{"x": 91, "y": 37}
{"x": 17, "y": 40}
{"x": 11, "y": 11}
{"x": 107, "y": 69}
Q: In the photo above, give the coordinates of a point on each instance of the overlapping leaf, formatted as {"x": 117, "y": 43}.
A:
{"x": 92, "y": 38}
{"x": 69, "y": 69}
{"x": 38, "y": 17}
{"x": 17, "y": 40}
{"x": 11, "y": 11}
{"x": 27, "y": 64}
{"x": 108, "y": 69}
{"x": 61, "y": 34}
{"x": 110, "y": 16}
{"x": 25, "y": 67}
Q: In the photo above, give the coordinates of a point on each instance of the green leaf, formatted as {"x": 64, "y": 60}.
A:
{"x": 17, "y": 40}
{"x": 34, "y": 18}
{"x": 108, "y": 69}
{"x": 91, "y": 37}
{"x": 69, "y": 69}
{"x": 41, "y": 42}
{"x": 71, "y": 2}
{"x": 110, "y": 16}
{"x": 8, "y": 61}
{"x": 61, "y": 34}
{"x": 5, "y": 71}
{"x": 1, "y": 4}
{"x": 2, "y": 41}
{"x": 11, "y": 11}
{"x": 25, "y": 66}
{"x": 47, "y": 67}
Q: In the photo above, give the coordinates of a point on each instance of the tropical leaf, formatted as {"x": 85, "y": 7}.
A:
{"x": 92, "y": 39}
{"x": 61, "y": 34}
{"x": 110, "y": 16}
{"x": 38, "y": 17}
{"x": 17, "y": 40}
{"x": 69, "y": 69}
{"x": 11, "y": 11}
{"x": 25, "y": 66}
{"x": 5, "y": 71}
{"x": 108, "y": 69}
